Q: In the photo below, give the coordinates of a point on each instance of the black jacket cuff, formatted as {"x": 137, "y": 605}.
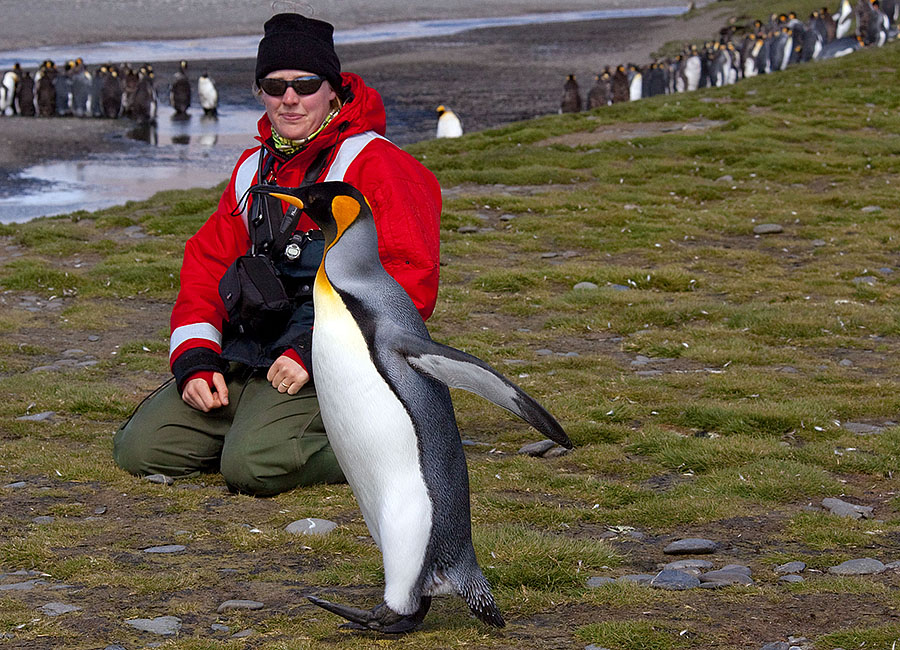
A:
{"x": 196, "y": 360}
{"x": 302, "y": 345}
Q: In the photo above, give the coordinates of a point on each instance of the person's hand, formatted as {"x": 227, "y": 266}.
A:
{"x": 287, "y": 376}
{"x": 197, "y": 393}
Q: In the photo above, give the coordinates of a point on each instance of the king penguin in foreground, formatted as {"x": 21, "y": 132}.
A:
{"x": 382, "y": 388}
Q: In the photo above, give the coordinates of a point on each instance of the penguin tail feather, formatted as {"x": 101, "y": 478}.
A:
{"x": 476, "y": 591}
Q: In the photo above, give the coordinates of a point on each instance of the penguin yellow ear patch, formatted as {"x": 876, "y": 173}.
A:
{"x": 345, "y": 209}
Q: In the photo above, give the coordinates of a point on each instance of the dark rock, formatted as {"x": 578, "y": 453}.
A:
{"x": 239, "y": 604}
{"x": 858, "y": 567}
{"x": 692, "y": 566}
{"x": 791, "y": 579}
{"x": 163, "y": 625}
{"x": 58, "y": 609}
{"x": 791, "y": 567}
{"x": 691, "y": 545}
{"x": 674, "y": 580}
{"x": 727, "y": 577}
{"x": 638, "y": 579}
{"x": 599, "y": 581}
{"x": 538, "y": 448}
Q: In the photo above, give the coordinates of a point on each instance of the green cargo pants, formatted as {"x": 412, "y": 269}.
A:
{"x": 263, "y": 442}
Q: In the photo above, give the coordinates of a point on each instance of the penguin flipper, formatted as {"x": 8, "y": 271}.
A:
{"x": 380, "y": 619}
{"x": 458, "y": 369}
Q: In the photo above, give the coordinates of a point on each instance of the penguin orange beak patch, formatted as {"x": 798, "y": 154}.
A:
{"x": 293, "y": 200}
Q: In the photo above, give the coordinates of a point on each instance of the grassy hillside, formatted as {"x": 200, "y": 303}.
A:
{"x": 717, "y": 383}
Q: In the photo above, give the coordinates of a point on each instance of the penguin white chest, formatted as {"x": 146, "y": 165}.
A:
{"x": 369, "y": 428}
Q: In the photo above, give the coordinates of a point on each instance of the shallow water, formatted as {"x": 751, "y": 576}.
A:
{"x": 244, "y": 47}
{"x": 200, "y": 152}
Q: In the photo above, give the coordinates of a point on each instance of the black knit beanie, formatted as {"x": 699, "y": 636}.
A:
{"x": 295, "y": 42}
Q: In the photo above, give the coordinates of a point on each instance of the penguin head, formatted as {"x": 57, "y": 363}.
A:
{"x": 333, "y": 206}
{"x": 441, "y": 110}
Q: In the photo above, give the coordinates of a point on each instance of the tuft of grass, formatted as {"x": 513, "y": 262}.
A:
{"x": 632, "y": 635}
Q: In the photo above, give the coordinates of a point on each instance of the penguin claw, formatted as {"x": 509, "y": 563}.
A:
{"x": 379, "y": 619}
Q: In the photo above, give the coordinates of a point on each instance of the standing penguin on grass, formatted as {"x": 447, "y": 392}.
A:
{"x": 381, "y": 381}
{"x": 571, "y": 99}
{"x": 448, "y": 125}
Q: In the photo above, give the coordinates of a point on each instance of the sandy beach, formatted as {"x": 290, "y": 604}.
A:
{"x": 489, "y": 76}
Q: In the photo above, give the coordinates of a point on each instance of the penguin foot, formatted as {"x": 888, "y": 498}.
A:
{"x": 380, "y": 619}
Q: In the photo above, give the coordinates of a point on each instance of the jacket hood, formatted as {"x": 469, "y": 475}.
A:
{"x": 362, "y": 111}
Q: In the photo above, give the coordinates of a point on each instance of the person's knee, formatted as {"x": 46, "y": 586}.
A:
{"x": 130, "y": 450}
{"x": 244, "y": 476}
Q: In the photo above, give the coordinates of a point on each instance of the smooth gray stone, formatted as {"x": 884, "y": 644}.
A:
{"x": 638, "y": 579}
{"x": 73, "y": 352}
{"x": 311, "y": 526}
{"x": 871, "y": 208}
{"x": 17, "y": 485}
{"x": 239, "y": 604}
{"x": 641, "y": 360}
{"x": 163, "y": 625}
{"x": 242, "y": 634}
{"x": 37, "y": 417}
{"x": 865, "y": 279}
{"x": 543, "y": 352}
{"x": 585, "y": 286}
{"x": 845, "y": 363}
{"x": 218, "y": 627}
{"x": 818, "y": 243}
{"x": 768, "y": 229}
{"x": 859, "y": 567}
{"x": 694, "y": 567}
{"x": 28, "y": 585}
{"x": 727, "y": 577}
{"x": 538, "y": 448}
{"x": 727, "y": 178}
{"x": 44, "y": 519}
{"x": 791, "y": 567}
{"x": 114, "y": 646}
{"x": 594, "y": 647}
{"x": 93, "y": 338}
{"x": 599, "y": 581}
{"x": 465, "y": 230}
{"x": 556, "y": 452}
{"x": 162, "y": 479}
{"x": 737, "y": 568}
{"x": 674, "y": 580}
{"x": 862, "y": 429}
{"x": 777, "y": 645}
{"x": 168, "y": 548}
{"x": 892, "y": 566}
{"x": 57, "y": 609}
{"x": 791, "y": 578}
{"x": 620, "y": 287}
{"x": 844, "y": 509}
{"x": 691, "y": 545}
{"x": 100, "y": 510}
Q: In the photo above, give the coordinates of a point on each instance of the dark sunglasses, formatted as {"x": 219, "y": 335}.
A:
{"x": 301, "y": 85}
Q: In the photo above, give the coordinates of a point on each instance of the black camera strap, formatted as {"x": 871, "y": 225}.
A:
{"x": 265, "y": 237}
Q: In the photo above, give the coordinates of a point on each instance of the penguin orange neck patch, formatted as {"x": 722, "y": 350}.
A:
{"x": 344, "y": 209}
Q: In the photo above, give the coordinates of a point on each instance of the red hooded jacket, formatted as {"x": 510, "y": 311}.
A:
{"x": 405, "y": 199}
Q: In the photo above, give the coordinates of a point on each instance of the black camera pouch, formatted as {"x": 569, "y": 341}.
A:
{"x": 253, "y": 294}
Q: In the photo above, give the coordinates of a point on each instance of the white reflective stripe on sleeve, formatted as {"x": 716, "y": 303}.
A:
{"x": 243, "y": 181}
{"x": 350, "y": 148}
{"x": 194, "y": 331}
